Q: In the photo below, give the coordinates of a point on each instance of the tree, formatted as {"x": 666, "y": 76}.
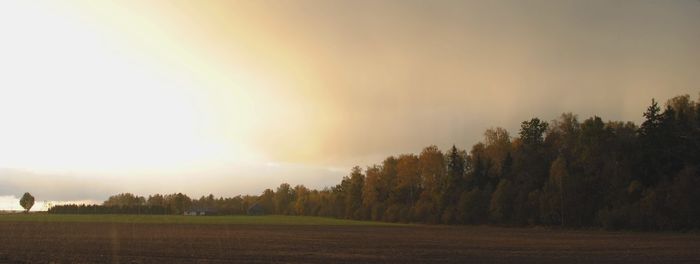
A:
{"x": 651, "y": 139}
{"x": 481, "y": 166}
{"x": 432, "y": 173}
{"x": 497, "y": 146}
{"x": 27, "y": 201}
{"x": 352, "y": 186}
{"x": 473, "y": 206}
{"x": 507, "y": 167}
{"x": 283, "y": 199}
{"x": 554, "y": 191}
{"x": 267, "y": 201}
{"x": 455, "y": 177}
{"x": 501, "y": 206}
{"x": 178, "y": 203}
{"x": 370, "y": 192}
{"x": 531, "y": 132}
{"x": 125, "y": 200}
{"x": 564, "y": 134}
{"x": 451, "y": 187}
{"x": 301, "y": 204}
{"x": 531, "y": 162}
{"x": 388, "y": 177}
{"x": 653, "y": 119}
{"x": 408, "y": 180}
{"x": 155, "y": 200}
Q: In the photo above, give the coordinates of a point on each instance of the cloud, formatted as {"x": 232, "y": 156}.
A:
{"x": 43, "y": 186}
{"x": 149, "y": 97}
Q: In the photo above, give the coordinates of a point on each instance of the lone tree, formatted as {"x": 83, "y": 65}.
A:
{"x": 27, "y": 201}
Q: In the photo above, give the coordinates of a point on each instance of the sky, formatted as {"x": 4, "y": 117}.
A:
{"x": 232, "y": 97}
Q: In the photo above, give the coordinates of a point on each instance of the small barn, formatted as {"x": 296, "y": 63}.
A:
{"x": 200, "y": 211}
{"x": 256, "y": 209}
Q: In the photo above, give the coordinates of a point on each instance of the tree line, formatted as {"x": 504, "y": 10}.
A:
{"x": 177, "y": 203}
{"x": 566, "y": 172}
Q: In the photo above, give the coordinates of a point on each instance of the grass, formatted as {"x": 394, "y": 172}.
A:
{"x": 180, "y": 219}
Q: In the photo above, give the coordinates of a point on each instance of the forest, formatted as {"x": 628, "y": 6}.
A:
{"x": 566, "y": 172}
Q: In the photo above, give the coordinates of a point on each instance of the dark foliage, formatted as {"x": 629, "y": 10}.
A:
{"x": 569, "y": 173}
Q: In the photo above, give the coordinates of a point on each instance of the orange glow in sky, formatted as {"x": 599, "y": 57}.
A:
{"x": 232, "y": 97}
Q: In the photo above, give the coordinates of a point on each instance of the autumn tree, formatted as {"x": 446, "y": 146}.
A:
{"x": 125, "y": 200}
{"x": 155, "y": 200}
{"x": 178, "y": 203}
{"x": 407, "y": 188}
{"x": 497, "y": 145}
{"x": 352, "y": 187}
{"x": 370, "y": 193}
{"x": 283, "y": 199}
{"x": 432, "y": 175}
{"x": 302, "y": 203}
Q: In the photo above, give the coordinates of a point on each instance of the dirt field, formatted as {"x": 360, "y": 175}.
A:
{"x": 65, "y": 242}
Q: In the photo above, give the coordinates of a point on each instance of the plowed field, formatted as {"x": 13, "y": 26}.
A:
{"x": 76, "y": 242}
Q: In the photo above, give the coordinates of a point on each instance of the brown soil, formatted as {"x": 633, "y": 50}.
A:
{"x": 168, "y": 243}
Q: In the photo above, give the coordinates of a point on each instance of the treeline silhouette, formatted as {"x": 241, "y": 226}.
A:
{"x": 102, "y": 209}
{"x": 566, "y": 172}
{"x": 178, "y": 203}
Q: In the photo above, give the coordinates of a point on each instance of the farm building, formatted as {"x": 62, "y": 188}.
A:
{"x": 256, "y": 209}
{"x": 200, "y": 211}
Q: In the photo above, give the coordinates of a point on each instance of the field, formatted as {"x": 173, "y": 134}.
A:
{"x": 180, "y": 219}
{"x": 37, "y": 238}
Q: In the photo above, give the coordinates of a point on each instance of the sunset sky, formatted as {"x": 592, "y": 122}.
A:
{"x": 231, "y": 97}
